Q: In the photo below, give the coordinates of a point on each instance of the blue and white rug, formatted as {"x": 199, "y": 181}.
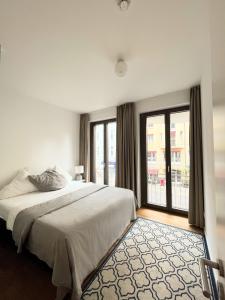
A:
{"x": 152, "y": 261}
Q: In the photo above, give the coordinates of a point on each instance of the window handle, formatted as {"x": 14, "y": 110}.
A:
{"x": 168, "y": 168}
{"x": 203, "y": 262}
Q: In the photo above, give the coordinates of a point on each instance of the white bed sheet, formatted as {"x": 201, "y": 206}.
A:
{"x": 9, "y": 208}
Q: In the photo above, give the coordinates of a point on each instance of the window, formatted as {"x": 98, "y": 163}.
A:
{"x": 175, "y": 156}
{"x": 150, "y": 125}
{"x": 103, "y": 152}
{"x": 150, "y": 138}
{"x": 152, "y": 156}
{"x": 173, "y": 138}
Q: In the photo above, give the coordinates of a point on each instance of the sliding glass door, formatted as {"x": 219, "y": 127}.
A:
{"x": 165, "y": 159}
{"x": 103, "y": 152}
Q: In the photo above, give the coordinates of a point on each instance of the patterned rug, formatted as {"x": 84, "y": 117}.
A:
{"x": 152, "y": 261}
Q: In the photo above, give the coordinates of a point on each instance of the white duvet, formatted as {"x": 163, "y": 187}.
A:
{"x": 9, "y": 208}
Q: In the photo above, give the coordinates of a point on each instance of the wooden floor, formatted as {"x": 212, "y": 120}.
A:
{"x": 167, "y": 218}
{"x": 24, "y": 277}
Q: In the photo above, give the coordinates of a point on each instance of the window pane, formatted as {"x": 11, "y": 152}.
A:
{"x": 156, "y": 164}
{"x": 99, "y": 153}
{"x": 111, "y": 134}
{"x": 179, "y": 138}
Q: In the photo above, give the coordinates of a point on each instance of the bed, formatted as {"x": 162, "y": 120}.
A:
{"x": 70, "y": 229}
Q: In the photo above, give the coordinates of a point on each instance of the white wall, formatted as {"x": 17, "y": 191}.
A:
{"x": 164, "y": 101}
{"x": 208, "y": 139}
{"x": 35, "y": 134}
{"x": 103, "y": 114}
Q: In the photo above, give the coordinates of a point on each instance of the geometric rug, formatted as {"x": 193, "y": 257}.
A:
{"x": 152, "y": 261}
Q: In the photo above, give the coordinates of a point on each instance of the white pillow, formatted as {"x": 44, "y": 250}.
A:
{"x": 61, "y": 171}
{"x": 20, "y": 185}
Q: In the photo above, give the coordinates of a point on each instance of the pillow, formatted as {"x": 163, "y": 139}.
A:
{"x": 61, "y": 171}
{"x": 50, "y": 180}
{"x": 18, "y": 186}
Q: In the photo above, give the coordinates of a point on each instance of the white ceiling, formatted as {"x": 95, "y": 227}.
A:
{"x": 64, "y": 52}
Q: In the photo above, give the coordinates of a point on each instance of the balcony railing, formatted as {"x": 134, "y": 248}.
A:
{"x": 180, "y": 191}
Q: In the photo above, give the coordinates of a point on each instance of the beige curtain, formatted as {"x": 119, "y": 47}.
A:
{"x": 126, "y": 159}
{"x": 196, "y": 194}
{"x": 84, "y": 144}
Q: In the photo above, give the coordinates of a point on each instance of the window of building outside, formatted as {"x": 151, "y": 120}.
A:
{"x": 152, "y": 156}
{"x": 173, "y": 138}
{"x": 150, "y": 138}
{"x": 175, "y": 156}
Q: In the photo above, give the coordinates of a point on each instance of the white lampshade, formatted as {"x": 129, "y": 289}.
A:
{"x": 124, "y": 4}
{"x": 79, "y": 169}
{"x": 121, "y": 68}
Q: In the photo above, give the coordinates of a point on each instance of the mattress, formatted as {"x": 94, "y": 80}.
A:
{"x": 9, "y": 208}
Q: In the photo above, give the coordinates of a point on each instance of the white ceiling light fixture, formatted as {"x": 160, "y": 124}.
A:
{"x": 124, "y": 4}
{"x": 121, "y": 68}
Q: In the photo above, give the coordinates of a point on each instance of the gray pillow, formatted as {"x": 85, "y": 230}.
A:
{"x": 50, "y": 180}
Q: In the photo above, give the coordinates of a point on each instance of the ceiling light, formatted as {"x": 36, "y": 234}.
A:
{"x": 121, "y": 68}
{"x": 124, "y": 4}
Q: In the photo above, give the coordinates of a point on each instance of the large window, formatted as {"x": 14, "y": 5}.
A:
{"x": 165, "y": 159}
{"x": 103, "y": 152}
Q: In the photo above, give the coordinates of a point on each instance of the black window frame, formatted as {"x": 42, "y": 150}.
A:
{"x": 143, "y": 159}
